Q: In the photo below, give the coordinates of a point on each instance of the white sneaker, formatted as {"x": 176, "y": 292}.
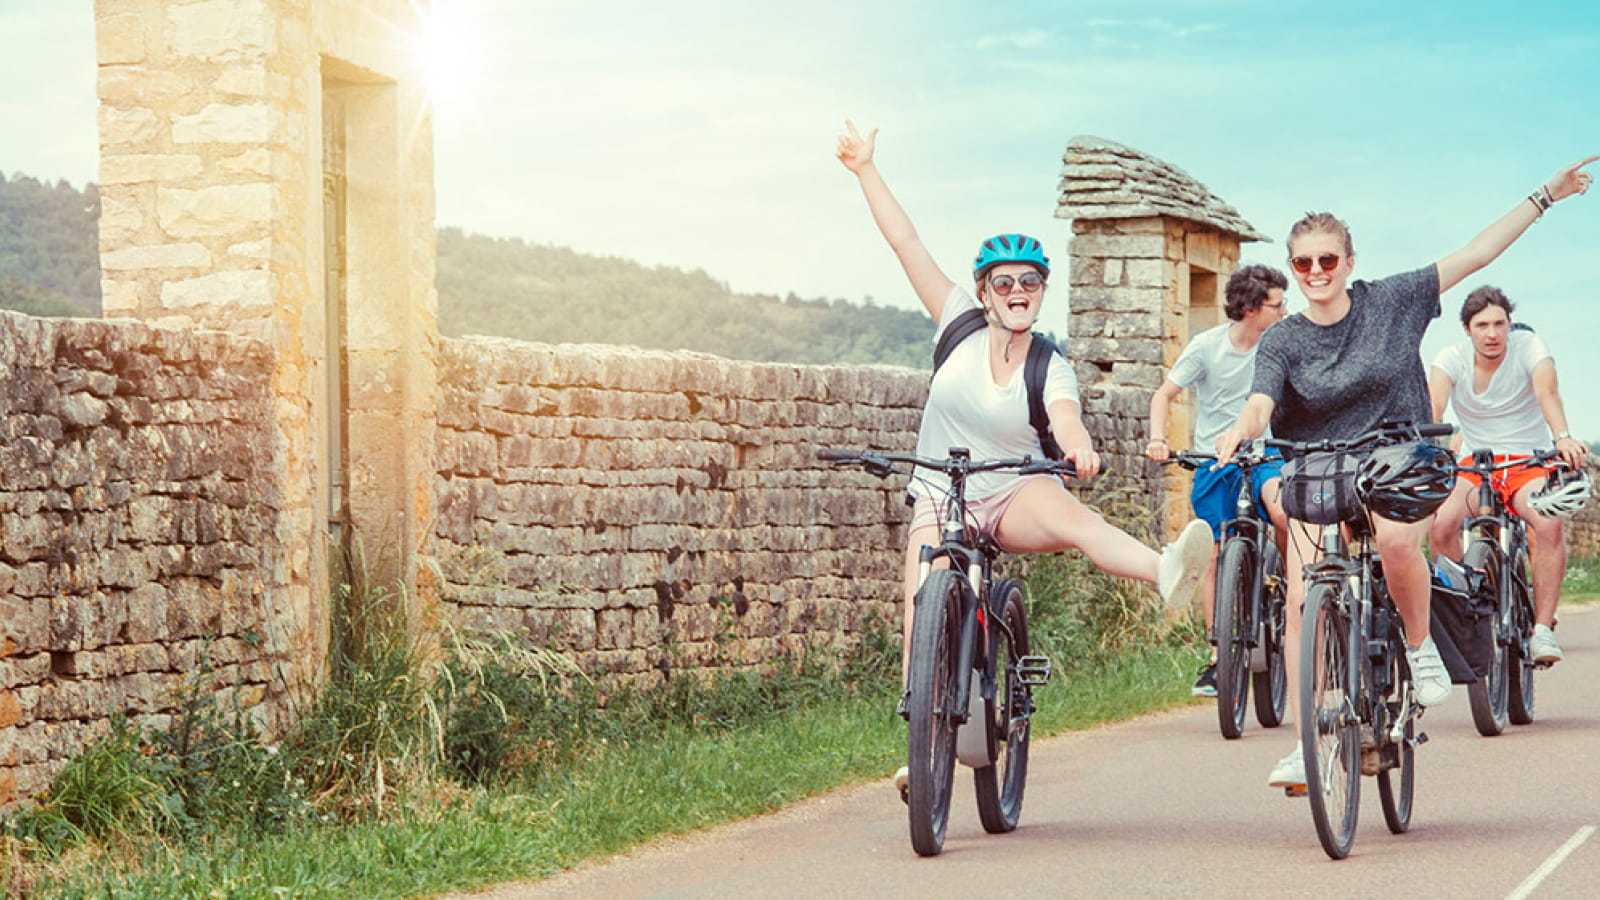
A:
{"x": 1428, "y": 674}
{"x": 1290, "y": 772}
{"x": 1543, "y": 645}
{"x": 1183, "y": 564}
{"x": 902, "y": 783}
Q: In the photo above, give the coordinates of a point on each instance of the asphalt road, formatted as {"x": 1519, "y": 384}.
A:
{"x": 1163, "y": 806}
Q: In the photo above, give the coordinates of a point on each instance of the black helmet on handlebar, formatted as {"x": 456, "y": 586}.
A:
{"x": 1406, "y": 482}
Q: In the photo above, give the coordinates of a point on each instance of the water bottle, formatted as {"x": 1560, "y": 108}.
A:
{"x": 1450, "y": 573}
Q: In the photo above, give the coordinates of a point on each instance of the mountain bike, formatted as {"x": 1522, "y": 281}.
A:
{"x": 1358, "y": 708}
{"x": 1248, "y": 610}
{"x": 1496, "y": 558}
{"x": 970, "y": 681}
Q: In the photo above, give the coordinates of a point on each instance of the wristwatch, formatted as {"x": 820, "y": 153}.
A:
{"x": 1564, "y": 434}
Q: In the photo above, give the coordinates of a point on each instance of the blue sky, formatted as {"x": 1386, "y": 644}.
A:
{"x": 699, "y": 134}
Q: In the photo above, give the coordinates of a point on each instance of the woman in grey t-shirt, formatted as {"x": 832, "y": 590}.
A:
{"x": 1350, "y": 361}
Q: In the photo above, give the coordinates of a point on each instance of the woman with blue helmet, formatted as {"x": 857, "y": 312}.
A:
{"x": 977, "y": 400}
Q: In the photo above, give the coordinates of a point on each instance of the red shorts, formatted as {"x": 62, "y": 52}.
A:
{"x": 1507, "y": 482}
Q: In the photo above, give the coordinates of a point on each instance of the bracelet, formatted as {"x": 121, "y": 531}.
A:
{"x": 1154, "y": 439}
{"x": 1563, "y": 435}
{"x": 1541, "y": 199}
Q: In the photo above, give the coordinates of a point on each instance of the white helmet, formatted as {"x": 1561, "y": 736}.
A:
{"x": 1564, "y": 493}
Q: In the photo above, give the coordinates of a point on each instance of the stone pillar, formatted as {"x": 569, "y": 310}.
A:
{"x": 212, "y": 217}
{"x": 1150, "y": 255}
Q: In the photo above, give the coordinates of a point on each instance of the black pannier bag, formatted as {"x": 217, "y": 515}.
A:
{"x": 1463, "y": 627}
{"x": 1320, "y": 488}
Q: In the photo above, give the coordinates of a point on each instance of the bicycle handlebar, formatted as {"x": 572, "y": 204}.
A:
{"x": 1386, "y": 433}
{"x": 1251, "y": 454}
{"x": 882, "y": 464}
{"x": 1541, "y": 458}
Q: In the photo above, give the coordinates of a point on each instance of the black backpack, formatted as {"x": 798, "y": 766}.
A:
{"x": 1033, "y": 371}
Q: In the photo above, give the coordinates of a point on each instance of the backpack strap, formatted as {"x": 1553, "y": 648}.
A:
{"x": 1033, "y": 374}
{"x": 961, "y": 328}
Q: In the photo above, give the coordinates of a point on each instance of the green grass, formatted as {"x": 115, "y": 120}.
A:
{"x": 618, "y": 796}
{"x": 1582, "y": 584}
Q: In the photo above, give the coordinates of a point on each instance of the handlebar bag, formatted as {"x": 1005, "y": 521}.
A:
{"x": 1320, "y": 488}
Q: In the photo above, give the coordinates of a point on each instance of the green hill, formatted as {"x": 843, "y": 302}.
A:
{"x": 49, "y": 266}
{"x": 514, "y": 289}
{"x": 49, "y": 247}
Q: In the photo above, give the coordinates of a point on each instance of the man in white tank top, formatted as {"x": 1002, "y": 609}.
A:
{"x": 1502, "y": 385}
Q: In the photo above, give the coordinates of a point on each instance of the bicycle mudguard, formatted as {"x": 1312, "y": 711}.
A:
{"x": 973, "y": 745}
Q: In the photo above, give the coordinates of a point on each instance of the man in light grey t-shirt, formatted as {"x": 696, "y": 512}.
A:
{"x": 1219, "y": 364}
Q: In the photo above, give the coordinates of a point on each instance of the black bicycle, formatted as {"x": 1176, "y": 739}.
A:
{"x": 1496, "y": 559}
{"x": 1358, "y": 710}
{"x": 1248, "y": 611}
{"x": 970, "y": 681}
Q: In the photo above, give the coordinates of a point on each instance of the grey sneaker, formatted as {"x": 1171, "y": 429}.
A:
{"x": 1543, "y": 645}
{"x": 1290, "y": 772}
{"x": 1183, "y": 563}
{"x": 1428, "y": 674}
{"x": 902, "y": 783}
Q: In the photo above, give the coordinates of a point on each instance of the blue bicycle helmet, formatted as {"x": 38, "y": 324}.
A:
{"x": 1009, "y": 248}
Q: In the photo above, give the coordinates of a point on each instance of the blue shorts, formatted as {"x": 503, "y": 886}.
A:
{"x": 1215, "y": 490}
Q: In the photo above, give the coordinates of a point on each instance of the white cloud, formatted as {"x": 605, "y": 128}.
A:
{"x": 1019, "y": 40}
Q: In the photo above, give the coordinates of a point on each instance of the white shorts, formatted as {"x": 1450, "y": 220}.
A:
{"x": 983, "y": 515}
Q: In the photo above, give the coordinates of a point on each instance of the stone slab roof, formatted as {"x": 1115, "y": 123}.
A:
{"x": 1103, "y": 179}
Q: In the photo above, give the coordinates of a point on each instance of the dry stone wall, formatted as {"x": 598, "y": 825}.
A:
{"x": 137, "y": 512}
{"x": 1583, "y": 531}
{"x": 652, "y": 510}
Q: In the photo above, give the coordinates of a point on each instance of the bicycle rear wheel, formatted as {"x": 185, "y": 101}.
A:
{"x": 1329, "y": 731}
{"x": 1489, "y": 694}
{"x": 1234, "y": 630}
{"x": 1000, "y": 785}
{"x": 1271, "y": 685}
{"x": 932, "y": 682}
{"x": 1519, "y": 686}
{"x": 1397, "y": 777}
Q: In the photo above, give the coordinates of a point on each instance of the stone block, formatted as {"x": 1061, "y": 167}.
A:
{"x": 220, "y": 30}
{"x": 236, "y": 290}
{"x": 136, "y": 126}
{"x": 215, "y": 211}
{"x": 222, "y": 123}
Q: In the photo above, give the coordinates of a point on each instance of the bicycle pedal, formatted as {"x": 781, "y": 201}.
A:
{"x": 1371, "y": 761}
{"x": 1033, "y": 671}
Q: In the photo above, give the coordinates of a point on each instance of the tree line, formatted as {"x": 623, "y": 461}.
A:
{"x": 50, "y": 266}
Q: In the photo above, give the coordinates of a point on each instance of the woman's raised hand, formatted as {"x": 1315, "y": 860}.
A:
{"x": 1570, "y": 180}
{"x": 854, "y": 150}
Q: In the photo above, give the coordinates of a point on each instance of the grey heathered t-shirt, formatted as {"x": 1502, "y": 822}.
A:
{"x": 1340, "y": 380}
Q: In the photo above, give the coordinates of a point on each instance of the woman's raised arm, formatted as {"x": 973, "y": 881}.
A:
{"x": 930, "y": 283}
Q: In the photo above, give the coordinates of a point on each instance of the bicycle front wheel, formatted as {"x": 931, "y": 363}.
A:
{"x": 1234, "y": 630}
{"x": 1397, "y": 775}
{"x": 931, "y": 708}
{"x": 1489, "y": 694}
{"x": 1330, "y": 734}
{"x": 1514, "y": 595}
{"x": 1000, "y": 784}
{"x": 1271, "y": 685}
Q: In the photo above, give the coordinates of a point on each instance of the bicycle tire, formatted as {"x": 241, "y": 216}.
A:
{"x": 1000, "y": 785}
{"x": 1271, "y": 687}
{"x": 1231, "y": 622}
{"x": 1489, "y": 695}
{"x": 931, "y": 734}
{"x": 1397, "y": 782}
{"x": 1519, "y": 686}
{"x": 1329, "y": 731}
